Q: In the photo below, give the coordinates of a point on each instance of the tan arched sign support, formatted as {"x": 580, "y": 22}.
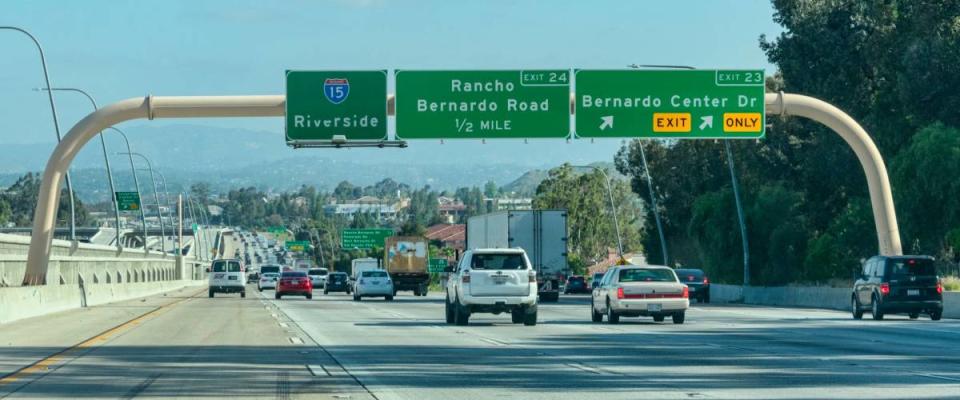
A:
{"x": 151, "y": 107}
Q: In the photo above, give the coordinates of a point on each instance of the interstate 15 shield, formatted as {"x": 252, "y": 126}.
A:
{"x": 336, "y": 89}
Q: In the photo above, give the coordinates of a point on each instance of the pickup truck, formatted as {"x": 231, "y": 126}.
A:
{"x": 492, "y": 281}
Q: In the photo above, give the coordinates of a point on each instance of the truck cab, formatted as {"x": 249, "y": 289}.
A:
{"x": 492, "y": 281}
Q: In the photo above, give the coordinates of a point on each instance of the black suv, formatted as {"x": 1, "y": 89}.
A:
{"x": 898, "y": 284}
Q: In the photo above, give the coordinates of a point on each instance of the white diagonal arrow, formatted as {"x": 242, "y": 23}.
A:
{"x": 707, "y": 122}
{"x": 607, "y": 122}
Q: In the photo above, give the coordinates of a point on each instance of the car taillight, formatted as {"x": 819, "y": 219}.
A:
{"x": 465, "y": 278}
{"x": 706, "y": 281}
{"x": 686, "y": 292}
{"x": 532, "y": 276}
{"x": 619, "y": 293}
{"x": 939, "y": 288}
{"x": 884, "y": 289}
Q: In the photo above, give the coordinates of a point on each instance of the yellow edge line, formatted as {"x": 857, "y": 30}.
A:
{"x": 44, "y": 364}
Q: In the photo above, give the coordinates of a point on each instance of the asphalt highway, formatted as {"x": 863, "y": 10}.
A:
{"x": 186, "y": 345}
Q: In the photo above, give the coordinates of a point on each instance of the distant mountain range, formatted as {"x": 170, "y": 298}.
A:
{"x": 228, "y": 158}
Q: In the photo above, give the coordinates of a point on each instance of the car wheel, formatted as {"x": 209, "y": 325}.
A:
{"x": 309, "y": 296}
{"x": 658, "y": 318}
{"x": 914, "y": 315}
{"x": 277, "y": 296}
{"x": 679, "y": 318}
{"x": 516, "y": 316}
{"x": 416, "y": 292}
{"x": 243, "y": 294}
{"x": 449, "y": 310}
{"x": 935, "y": 316}
{"x": 260, "y": 289}
{"x": 612, "y": 316}
{"x": 855, "y": 306}
{"x": 324, "y": 291}
{"x": 210, "y": 293}
{"x": 875, "y": 310}
{"x": 356, "y": 298}
{"x": 706, "y": 299}
{"x": 595, "y": 315}
{"x": 388, "y": 298}
{"x": 530, "y": 318}
{"x": 461, "y": 314}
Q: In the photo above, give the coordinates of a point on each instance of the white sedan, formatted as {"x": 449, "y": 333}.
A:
{"x": 634, "y": 291}
{"x": 268, "y": 281}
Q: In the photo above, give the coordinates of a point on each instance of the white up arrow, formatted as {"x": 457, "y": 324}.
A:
{"x": 607, "y": 122}
{"x": 707, "y": 122}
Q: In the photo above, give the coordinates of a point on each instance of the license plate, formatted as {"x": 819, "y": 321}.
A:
{"x": 232, "y": 278}
{"x": 375, "y": 283}
{"x": 913, "y": 292}
{"x": 654, "y": 307}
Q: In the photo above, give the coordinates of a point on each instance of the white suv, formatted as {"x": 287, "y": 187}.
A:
{"x": 492, "y": 281}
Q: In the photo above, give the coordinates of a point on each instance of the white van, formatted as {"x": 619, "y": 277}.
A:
{"x": 227, "y": 276}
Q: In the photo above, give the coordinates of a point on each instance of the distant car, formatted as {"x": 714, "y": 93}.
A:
{"x": 253, "y": 276}
{"x": 227, "y": 276}
{"x": 898, "y": 284}
{"x": 373, "y": 283}
{"x": 697, "y": 281}
{"x": 268, "y": 280}
{"x": 337, "y": 282}
{"x": 576, "y": 284}
{"x": 318, "y": 277}
{"x": 633, "y": 291}
{"x": 595, "y": 281}
{"x": 294, "y": 283}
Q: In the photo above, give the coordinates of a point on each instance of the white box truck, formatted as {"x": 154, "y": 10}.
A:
{"x": 541, "y": 233}
{"x": 359, "y": 265}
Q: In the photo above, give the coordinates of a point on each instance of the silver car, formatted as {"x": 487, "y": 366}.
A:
{"x": 634, "y": 291}
{"x": 268, "y": 280}
{"x": 373, "y": 283}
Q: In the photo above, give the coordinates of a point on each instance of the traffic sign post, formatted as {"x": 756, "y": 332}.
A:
{"x": 324, "y": 104}
{"x": 437, "y": 265}
{"x": 482, "y": 104}
{"x": 706, "y": 104}
{"x": 297, "y": 245}
{"x": 364, "y": 238}
{"x": 128, "y": 201}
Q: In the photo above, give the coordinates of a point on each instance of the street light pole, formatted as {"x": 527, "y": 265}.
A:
{"x": 653, "y": 204}
{"x": 743, "y": 225}
{"x": 166, "y": 198}
{"x": 156, "y": 196}
{"x": 136, "y": 184}
{"x": 106, "y": 159}
{"x": 56, "y": 127}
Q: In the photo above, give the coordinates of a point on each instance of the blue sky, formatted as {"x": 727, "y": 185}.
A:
{"x": 120, "y": 49}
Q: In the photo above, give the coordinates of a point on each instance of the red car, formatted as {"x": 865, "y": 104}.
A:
{"x": 294, "y": 282}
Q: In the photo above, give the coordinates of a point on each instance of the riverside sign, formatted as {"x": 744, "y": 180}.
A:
{"x": 522, "y": 104}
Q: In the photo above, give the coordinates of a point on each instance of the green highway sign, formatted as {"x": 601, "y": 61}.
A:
{"x": 721, "y": 104}
{"x": 321, "y": 104}
{"x": 298, "y": 245}
{"x": 277, "y": 229}
{"x": 437, "y": 265}
{"x": 364, "y": 238}
{"x": 482, "y": 104}
{"x": 128, "y": 201}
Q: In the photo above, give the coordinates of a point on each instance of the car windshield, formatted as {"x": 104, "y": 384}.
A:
{"x": 317, "y": 272}
{"x": 497, "y": 261}
{"x": 270, "y": 275}
{"x": 910, "y": 267}
{"x": 337, "y": 277}
{"x": 373, "y": 274}
{"x": 226, "y": 266}
{"x": 293, "y": 274}
{"x": 269, "y": 269}
{"x": 576, "y": 279}
{"x": 647, "y": 275}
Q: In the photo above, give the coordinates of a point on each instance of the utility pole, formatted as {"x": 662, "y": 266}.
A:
{"x": 743, "y": 225}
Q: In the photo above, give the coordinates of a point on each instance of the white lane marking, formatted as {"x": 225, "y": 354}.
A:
{"x": 284, "y": 325}
{"x": 493, "y": 341}
{"x": 318, "y": 370}
{"x": 586, "y": 368}
{"x": 946, "y": 378}
{"x": 296, "y": 340}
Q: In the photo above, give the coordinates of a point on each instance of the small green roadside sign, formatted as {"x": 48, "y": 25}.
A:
{"x": 321, "y": 104}
{"x": 437, "y": 265}
{"x": 513, "y": 104}
{"x": 364, "y": 238}
{"x": 128, "y": 201}
{"x": 721, "y": 104}
{"x": 297, "y": 245}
